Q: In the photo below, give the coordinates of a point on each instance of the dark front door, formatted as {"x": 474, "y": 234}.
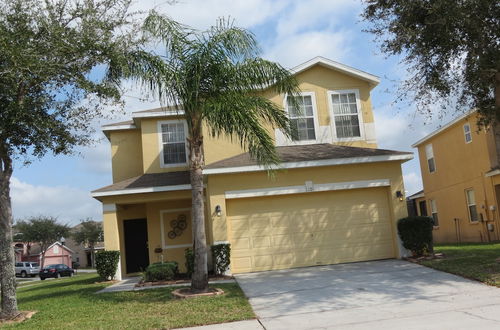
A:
{"x": 136, "y": 245}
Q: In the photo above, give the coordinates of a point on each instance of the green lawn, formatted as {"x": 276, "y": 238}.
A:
{"x": 71, "y": 303}
{"x": 479, "y": 261}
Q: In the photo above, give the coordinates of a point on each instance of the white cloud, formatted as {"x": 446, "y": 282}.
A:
{"x": 202, "y": 14}
{"x": 413, "y": 182}
{"x": 296, "y": 49}
{"x": 68, "y": 204}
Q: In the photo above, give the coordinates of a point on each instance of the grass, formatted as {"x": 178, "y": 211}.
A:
{"x": 478, "y": 261}
{"x": 72, "y": 303}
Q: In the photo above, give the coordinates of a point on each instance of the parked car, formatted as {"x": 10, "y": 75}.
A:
{"x": 56, "y": 271}
{"x": 25, "y": 269}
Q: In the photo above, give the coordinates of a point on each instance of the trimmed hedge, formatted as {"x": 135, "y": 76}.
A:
{"x": 221, "y": 255}
{"x": 106, "y": 263}
{"x": 161, "y": 271}
{"x": 416, "y": 234}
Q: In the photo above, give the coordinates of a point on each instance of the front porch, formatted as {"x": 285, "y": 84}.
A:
{"x": 150, "y": 223}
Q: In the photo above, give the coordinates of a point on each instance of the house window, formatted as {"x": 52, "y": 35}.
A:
{"x": 302, "y": 117}
{"x": 423, "y": 208}
{"x": 434, "y": 212}
{"x": 467, "y": 133}
{"x": 429, "y": 153}
{"x": 173, "y": 138}
{"x": 346, "y": 114}
{"x": 471, "y": 205}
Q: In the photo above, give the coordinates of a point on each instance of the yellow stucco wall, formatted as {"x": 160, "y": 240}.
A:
{"x": 126, "y": 153}
{"x": 460, "y": 166}
{"x": 220, "y": 183}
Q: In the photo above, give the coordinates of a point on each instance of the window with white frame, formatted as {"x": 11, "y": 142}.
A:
{"x": 471, "y": 205}
{"x": 173, "y": 138}
{"x": 302, "y": 117}
{"x": 429, "y": 153}
{"x": 346, "y": 114}
{"x": 434, "y": 212}
{"x": 467, "y": 133}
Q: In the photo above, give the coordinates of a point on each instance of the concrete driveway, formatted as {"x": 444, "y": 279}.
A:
{"x": 388, "y": 294}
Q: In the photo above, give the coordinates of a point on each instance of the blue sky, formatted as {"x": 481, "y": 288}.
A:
{"x": 289, "y": 32}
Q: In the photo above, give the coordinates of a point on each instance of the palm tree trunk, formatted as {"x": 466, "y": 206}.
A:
{"x": 199, "y": 279}
{"x": 7, "y": 270}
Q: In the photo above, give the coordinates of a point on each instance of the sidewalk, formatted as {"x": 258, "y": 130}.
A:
{"x": 239, "y": 325}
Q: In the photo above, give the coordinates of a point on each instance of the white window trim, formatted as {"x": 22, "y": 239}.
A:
{"x": 465, "y": 133}
{"x": 434, "y": 210}
{"x": 469, "y": 205}
{"x": 160, "y": 142}
{"x": 315, "y": 117}
{"x": 427, "y": 158}
{"x": 332, "y": 115}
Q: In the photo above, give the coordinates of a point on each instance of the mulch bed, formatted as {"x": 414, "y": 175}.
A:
{"x": 22, "y": 316}
{"x": 188, "y": 293}
{"x": 183, "y": 280}
{"x": 419, "y": 259}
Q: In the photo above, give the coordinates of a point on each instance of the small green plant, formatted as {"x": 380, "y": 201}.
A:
{"x": 416, "y": 234}
{"x": 189, "y": 255}
{"x": 161, "y": 271}
{"x": 107, "y": 263}
{"x": 221, "y": 254}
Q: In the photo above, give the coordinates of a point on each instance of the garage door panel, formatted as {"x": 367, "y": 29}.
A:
{"x": 279, "y": 232}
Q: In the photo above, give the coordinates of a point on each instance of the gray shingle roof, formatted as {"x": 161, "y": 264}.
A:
{"x": 308, "y": 152}
{"x": 148, "y": 181}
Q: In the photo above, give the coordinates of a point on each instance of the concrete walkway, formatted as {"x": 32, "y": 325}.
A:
{"x": 240, "y": 325}
{"x": 389, "y": 294}
{"x": 128, "y": 284}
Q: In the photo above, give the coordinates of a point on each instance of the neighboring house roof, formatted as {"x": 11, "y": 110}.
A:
{"x": 309, "y": 156}
{"x": 153, "y": 182}
{"x": 443, "y": 128}
{"x": 416, "y": 195}
{"x": 62, "y": 246}
{"x": 371, "y": 79}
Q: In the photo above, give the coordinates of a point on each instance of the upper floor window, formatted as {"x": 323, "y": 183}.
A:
{"x": 467, "y": 133}
{"x": 302, "y": 117}
{"x": 471, "y": 205}
{"x": 434, "y": 212}
{"x": 346, "y": 113}
{"x": 173, "y": 139}
{"x": 429, "y": 153}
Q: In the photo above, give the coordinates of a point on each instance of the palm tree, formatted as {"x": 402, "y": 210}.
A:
{"x": 215, "y": 77}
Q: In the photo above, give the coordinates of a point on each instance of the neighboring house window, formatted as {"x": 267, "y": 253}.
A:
{"x": 471, "y": 205}
{"x": 302, "y": 117}
{"x": 467, "y": 133}
{"x": 423, "y": 208}
{"x": 434, "y": 212}
{"x": 429, "y": 153}
{"x": 346, "y": 114}
{"x": 173, "y": 138}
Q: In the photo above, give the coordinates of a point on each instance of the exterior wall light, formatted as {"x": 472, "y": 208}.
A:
{"x": 399, "y": 195}
{"x": 218, "y": 211}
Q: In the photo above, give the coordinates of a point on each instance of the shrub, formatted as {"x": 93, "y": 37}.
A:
{"x": 161, "y": 271}
{"x": 75, "y": 265}
{"x": 106, "y": 263}
{"x": 221, "y": 255}
{"x": 189, "y": 254}
{"x": 416, "y": 234}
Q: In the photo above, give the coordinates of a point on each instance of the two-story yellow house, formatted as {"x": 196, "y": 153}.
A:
{"x": 335, "y": 198}
{"x": 461, "y": 179}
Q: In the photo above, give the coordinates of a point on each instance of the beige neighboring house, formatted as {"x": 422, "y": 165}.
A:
{"x": 82, "y": 254}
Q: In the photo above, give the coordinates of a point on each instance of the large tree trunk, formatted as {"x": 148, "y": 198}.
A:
{"x": 7, "y": 270}
{"x": 199, "y": 280}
